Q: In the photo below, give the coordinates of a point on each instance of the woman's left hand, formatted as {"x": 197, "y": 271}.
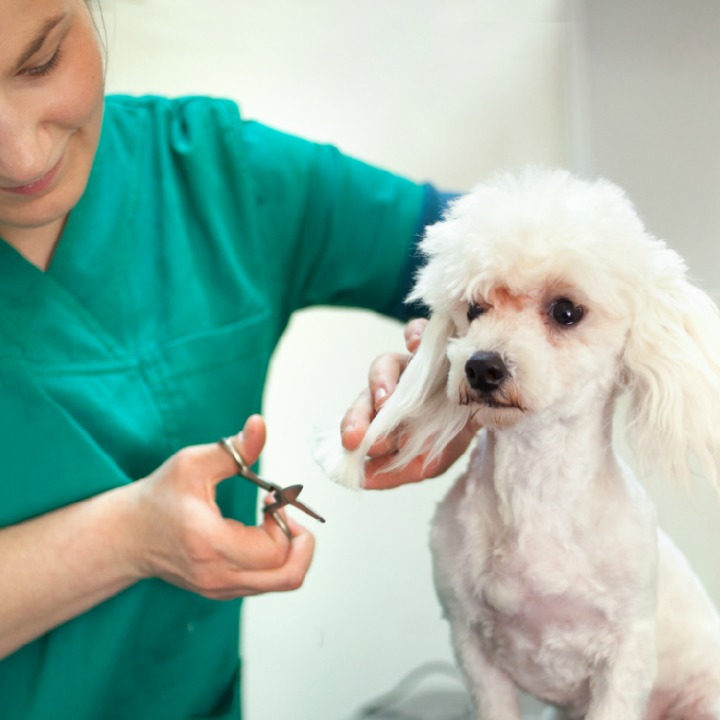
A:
{"x": 383, "y": 378}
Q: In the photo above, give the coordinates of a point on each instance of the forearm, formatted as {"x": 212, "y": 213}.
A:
{"x": 167, "y": 525}
{"x": 57, "y": 566}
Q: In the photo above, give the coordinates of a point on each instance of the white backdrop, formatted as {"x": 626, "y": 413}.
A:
{"x": 441, "y": 91}
{"x": 646, "y": 113}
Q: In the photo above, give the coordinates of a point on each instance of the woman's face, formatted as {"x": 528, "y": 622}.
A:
{"x": 51, "y": 104}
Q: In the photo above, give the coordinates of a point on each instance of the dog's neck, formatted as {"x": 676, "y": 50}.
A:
{"x": 546, "y": 462}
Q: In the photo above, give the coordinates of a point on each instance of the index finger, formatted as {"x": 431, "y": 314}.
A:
{"x": 413, "y": 332}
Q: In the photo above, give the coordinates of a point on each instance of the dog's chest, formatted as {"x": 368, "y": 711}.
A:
{"x": 535, "y": 590}
{"x": 532, "y": 604}
{"x": 537, "y": 619}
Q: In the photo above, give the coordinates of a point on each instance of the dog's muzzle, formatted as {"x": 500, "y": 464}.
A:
{"x": 486, "y": 372}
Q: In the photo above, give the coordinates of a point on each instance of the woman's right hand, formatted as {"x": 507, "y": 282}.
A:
{"x": 59, "y": 565}
{"x": 181, "y": 536}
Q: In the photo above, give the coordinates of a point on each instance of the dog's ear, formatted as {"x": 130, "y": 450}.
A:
{"x": 672, "y": 369}
{"x": 418, "y": 407}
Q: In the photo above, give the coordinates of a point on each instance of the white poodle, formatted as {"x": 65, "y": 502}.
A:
{"x": 548, "y": 300}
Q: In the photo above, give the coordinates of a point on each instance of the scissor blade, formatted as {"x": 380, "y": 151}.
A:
{"x": 288, "y": 496}
{"x": 307, "y": 510}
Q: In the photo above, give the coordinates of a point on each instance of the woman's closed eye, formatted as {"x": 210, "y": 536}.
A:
{"x": 44, "y": 68}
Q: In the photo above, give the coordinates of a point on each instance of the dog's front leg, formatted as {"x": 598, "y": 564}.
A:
{"x": 493, "y": 693}
{"x": 622, "y": 685}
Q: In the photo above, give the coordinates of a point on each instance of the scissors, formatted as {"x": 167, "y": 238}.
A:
{"x": 283, "y": 496}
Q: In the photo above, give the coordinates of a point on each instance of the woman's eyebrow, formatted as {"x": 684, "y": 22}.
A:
{"x": 34, "y": 45}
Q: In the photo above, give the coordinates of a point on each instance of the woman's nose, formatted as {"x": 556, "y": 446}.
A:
{"x": 24, "y": 154}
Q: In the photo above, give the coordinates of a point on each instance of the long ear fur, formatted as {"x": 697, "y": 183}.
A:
{"x": 672, "y": 361}
{"x": 419, "y": 407}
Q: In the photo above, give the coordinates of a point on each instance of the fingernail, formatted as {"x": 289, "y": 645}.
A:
{"x": 347, "y": 429}
{"x": 380, "y": 395}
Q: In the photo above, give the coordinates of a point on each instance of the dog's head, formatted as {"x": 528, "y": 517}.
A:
{"x": 547, "y": 299}
{"x": 554, "y": 298}
{"x": 536, "y": 278}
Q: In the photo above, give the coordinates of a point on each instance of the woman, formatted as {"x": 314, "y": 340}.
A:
{"x": 152, "y": 253}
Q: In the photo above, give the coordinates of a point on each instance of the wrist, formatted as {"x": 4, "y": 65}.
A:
{"x": 120, "y": 519}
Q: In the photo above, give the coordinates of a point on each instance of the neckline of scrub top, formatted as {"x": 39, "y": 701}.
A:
{"x": 39, "y": 297}
{"x": 76, "y": 258}
{"x": 34, "y": 295}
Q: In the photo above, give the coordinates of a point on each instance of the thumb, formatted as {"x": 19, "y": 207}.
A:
{"x": 250, "y": 442}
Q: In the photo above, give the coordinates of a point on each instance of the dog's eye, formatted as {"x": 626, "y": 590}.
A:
{"x": 475, "y": 310}
{"x": 565, "y": 312}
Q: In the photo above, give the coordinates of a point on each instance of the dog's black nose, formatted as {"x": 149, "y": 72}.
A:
{"x": 485, "y": 371}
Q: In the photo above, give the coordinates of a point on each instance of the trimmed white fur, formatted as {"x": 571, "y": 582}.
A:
{"x": 548, "y": 561}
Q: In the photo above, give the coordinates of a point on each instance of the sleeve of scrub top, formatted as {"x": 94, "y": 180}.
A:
{"x": 341, "y": 231}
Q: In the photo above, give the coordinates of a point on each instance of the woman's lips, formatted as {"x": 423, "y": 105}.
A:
{"x": 37, "y": 187}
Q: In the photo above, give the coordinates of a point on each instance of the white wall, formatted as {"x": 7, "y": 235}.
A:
{"x": 448, "y": 92}
{"x": 648, "y": 114}
{"x": 645, "y": 113}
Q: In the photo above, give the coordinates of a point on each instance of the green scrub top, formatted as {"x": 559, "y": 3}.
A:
{"x": 197, "y": 237}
